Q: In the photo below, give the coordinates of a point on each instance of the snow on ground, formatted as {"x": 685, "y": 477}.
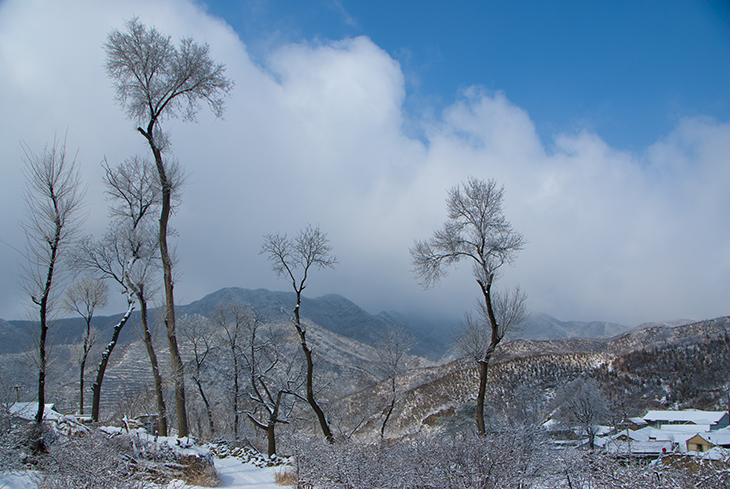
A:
{"x": 236, "y": 474}
{"x": 18, "y": 480}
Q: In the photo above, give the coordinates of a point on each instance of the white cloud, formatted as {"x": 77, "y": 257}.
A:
{"x": 315, "y": 136}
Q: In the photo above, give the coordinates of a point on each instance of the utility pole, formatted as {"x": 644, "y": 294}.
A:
{"x": 17, "y": 392}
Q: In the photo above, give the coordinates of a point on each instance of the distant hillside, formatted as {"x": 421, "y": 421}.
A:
{"x": 332, "y": 311}
{"x": 543, "y": 327}
{"x": 435, "y": 335}
{"x": 17, "y": 336}
{"x": 659, "y": 367}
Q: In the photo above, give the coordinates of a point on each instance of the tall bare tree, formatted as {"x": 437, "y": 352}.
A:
{"x": 391, "y": 350}
{"x": 293, "y": 259}
{"x": 83, "y": 297}
{"x": 154, "y": 80}
{"x": 476, "y": 230}
{"x": 133, "y": 186}
{"x": 53, "y": 200}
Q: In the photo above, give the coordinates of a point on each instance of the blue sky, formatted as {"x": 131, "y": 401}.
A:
{"x": 608, "y": 123}
{"x": 628, "y": 70}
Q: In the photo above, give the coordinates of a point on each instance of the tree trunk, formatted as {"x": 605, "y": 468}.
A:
{"x": 483, "y": 369}
{"x": 390, "y": 408}
{"x": 484, "y": 363}
{"x": 310, "y": 374}
{"x": 41, "y": 370}
{"x": 81, "y": 385}
{"x": 175, "y": 360}
{"x": 161, "y": 408}
{"x": 236, "y": 417}
{"x": 96, "y": 387}
{"x": 271, "y": 437}
{"x": 43, "y": 303}
{"x": 208, "y": 409}
{"x": 82, "y": 366}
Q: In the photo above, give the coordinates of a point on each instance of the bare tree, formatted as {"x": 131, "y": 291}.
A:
{"x": 391, "y": 350}
{"x": 155, "y": 79}
{"x": 83, "y": 297}
{"x": 476, "y": 230}
{"x": 230, "y": 320}
{"x": 106, "y": 258}
{"x": 582, "y": 402}
{"x": 53, "y": 200}
{"x": 272, "y": 379}
{"x": 293, "y": 259}
{"x": 132, "y": 185}
{"x": 127, "y": 254}
{"x": 197, "y": 331}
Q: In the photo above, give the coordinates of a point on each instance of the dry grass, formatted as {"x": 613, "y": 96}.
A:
{"x": 286, "y": 478}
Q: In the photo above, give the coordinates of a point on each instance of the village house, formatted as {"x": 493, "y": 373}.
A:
{"x": 671, "y": 432}
{"x": 703, "y": 420}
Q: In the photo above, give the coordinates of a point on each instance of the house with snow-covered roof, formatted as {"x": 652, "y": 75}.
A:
{"x": 699, "y": 443}
{"x": 28, "y": 410}
{"x": 637, "y": 423}
{"x": 699, "y": 420}
{"x": 720, "y": 438}
{"x": 703, "y": 442}
{"x": 672, "y": 432}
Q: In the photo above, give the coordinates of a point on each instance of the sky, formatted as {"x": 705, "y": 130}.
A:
{"x": 607, "y": 123}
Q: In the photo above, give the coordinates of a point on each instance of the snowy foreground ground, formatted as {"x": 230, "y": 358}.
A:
{"x": 232, "y": 470}
{"x": 234, "y": 474}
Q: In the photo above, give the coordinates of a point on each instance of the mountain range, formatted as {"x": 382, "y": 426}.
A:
{"x": 657, "y": 365}
{"x": 332, "y": 312}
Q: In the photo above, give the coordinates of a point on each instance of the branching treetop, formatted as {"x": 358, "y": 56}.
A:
{"x": 476, "y": 229}
{"x": 294, "y": 258}
{"x": 155, "y": 78}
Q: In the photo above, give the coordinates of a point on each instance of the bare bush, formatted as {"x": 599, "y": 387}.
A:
{"x": 511, "y": 459}
{"x": 92, "y": 461}
{"x": 505, "y": 460}
{"x": 126, "y": 460}
{"x": 582, "y": 469}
